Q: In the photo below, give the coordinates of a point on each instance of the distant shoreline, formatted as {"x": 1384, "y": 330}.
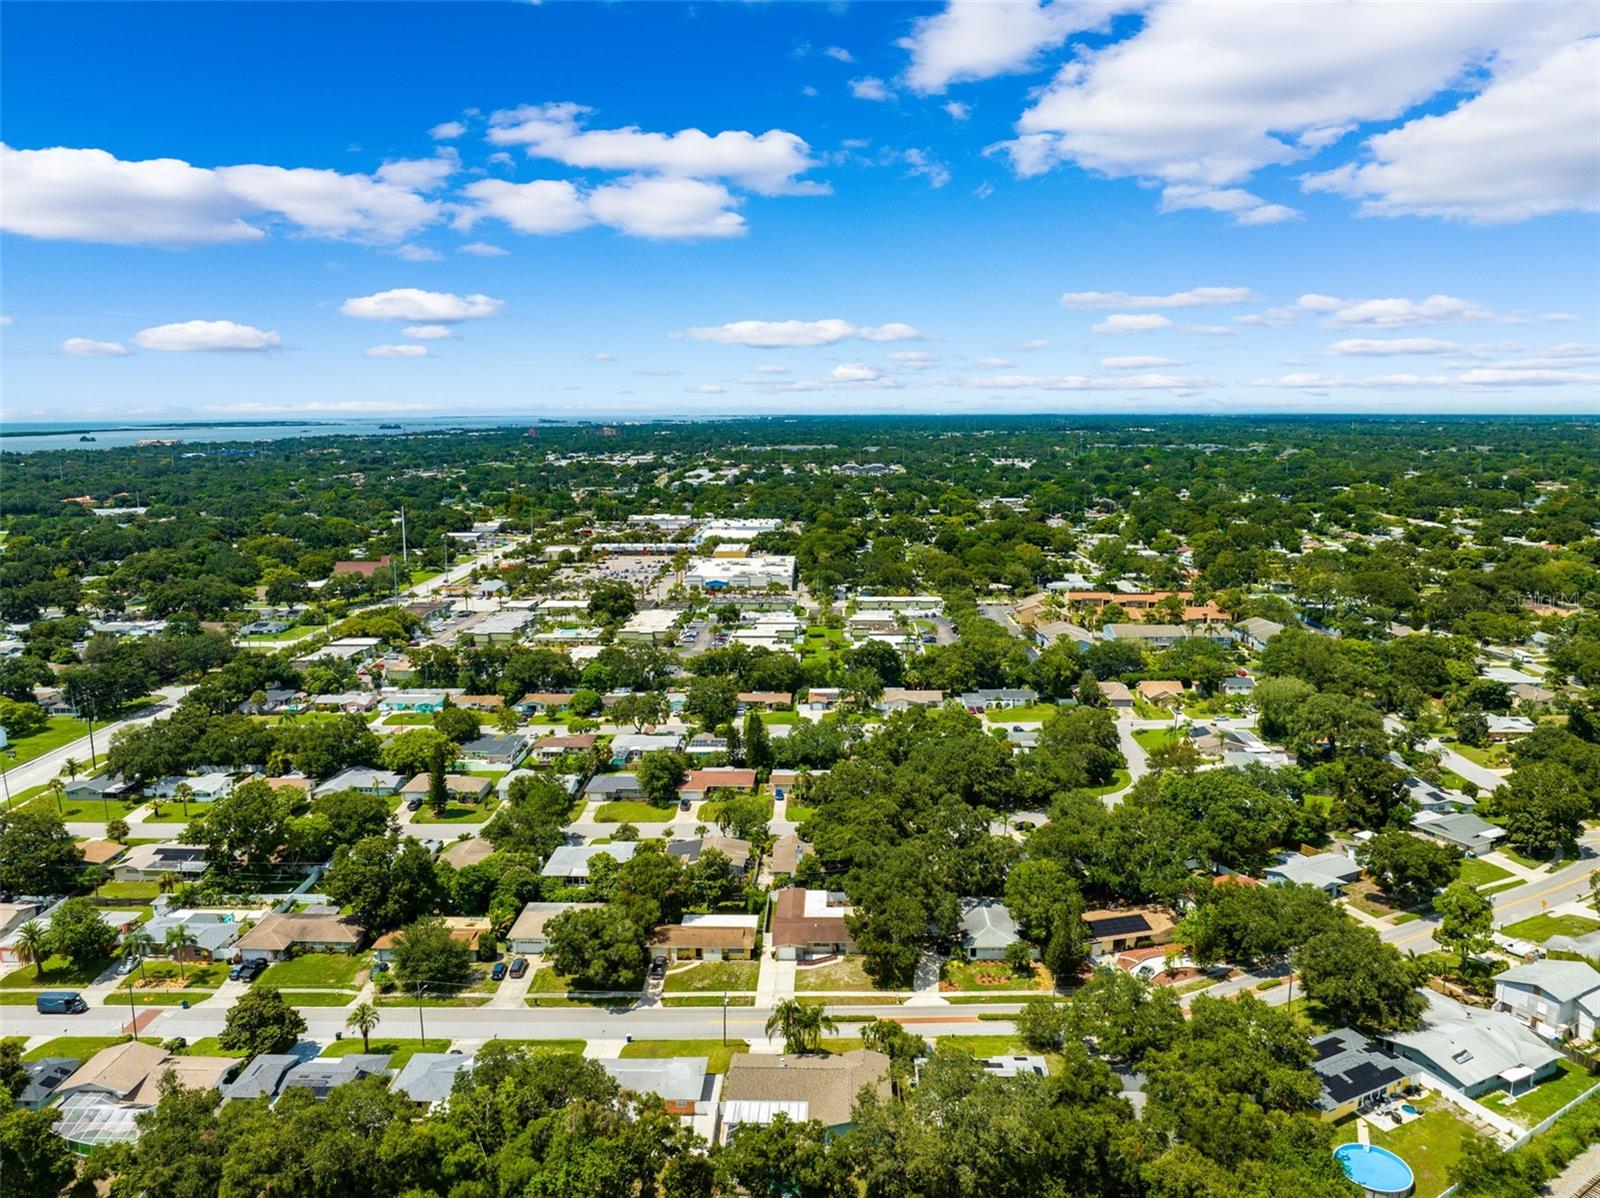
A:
{"x": 6, "y": 433}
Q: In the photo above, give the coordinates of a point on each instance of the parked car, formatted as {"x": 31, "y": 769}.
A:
{"x": 414, "y": 803}
{"x": 498, "y": 973}
{"x": 126, "y": 966}
{"x": 658, "y": 969}
{"x": 60, "y": 1002}
{"x": 519, "y": 967}
{"x": 248, "y": 971}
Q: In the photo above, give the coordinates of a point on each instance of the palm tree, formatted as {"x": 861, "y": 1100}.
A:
{"x": 141, "y": 944}
{"x": 177, "y": 939}
{"x": 800, "y": 1025}
{"x": 813, "y": 1022}
{"x": 58, "y": 791}
{"x": 33, "y": 944}
{"x": 183, "y": 792}
{"x": 71, "y": 767}
{"x": 364, "y": 1019}
{"x": 168, "y": 882}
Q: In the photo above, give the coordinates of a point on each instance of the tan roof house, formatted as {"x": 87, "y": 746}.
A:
{"x": 1159, "y": 690}
{"x": 757, "y": 1086}
{"x": 279, "y": 935}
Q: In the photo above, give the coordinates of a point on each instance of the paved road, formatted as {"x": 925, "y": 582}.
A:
{"x": 48, "y": 765}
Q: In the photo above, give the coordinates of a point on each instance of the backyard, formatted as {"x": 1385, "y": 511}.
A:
{"x": 1535, "y": 1105}
{"x": 1430, "y": 1145}
{"x": 1031, "y": 713}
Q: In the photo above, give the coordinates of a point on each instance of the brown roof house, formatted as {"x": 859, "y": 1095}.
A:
{"x": 466, "y": 787}
{"x": 1135, "y": 927}
{"x": 1159, "y": 690}
{"x": 810, "y": 923}
{"x": 706, "y": 938}
{"x": 759, "y": 1087}
{"x": 132, "y": 1071}
{"x": 279, "y": 936}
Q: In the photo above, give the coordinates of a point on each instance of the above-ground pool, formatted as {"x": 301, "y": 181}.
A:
{"x": 1377, "y": 1170}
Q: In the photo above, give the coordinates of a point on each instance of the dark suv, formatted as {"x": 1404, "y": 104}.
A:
{"x": 248, "y": 971}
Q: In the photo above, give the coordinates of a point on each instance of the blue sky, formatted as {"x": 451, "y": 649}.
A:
{"x": 239, "y": 210}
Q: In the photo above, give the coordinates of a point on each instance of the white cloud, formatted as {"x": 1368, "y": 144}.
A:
{"x": 855, "y": 372}
{"x": 870, "y": 87}
{"x": 418, "y": 253}
{"x": 544, "y": 206}
{"x": 918, "y": 162}
{"x": 447, "y": 131}
{"x": 421, "y": 174}
{"x": 839, "y": 54}
{"x": 977, "y": 39}
{"x": 958, "y": 110}
{"x": 398, "y": 351}
{"x": 83, "y": 347}
{"x": 912, "y": 359}
{"x": 1526, "y": 146}
{"x": 192, "y": 335}
{"x": 787, "y": 334}
{"x": 774, "y": 368}
{"x": 1132, "y": 323}
{"x": 1398, "y": 313}
{"x": 4, "y": 320}
{"x": 1195, "y": 297}
{"x": 707, "y": 389}
{"x": 1496, "y": 377}
{"x": 662, "y": 208}
{"x": 411, "y": 303}
{"x": 768, "y": 164}
{"x": 1305, "y": 380}
{"x": 328, "y": 204}
{"x": 1203, "y": 96}
{"x": 1137, "y": 362}
{"x": 1073, "y": 382}
{"x": 996, "y": 363}
{"x": 1036, "y": 343}
{"x": 1381, "y": 348}
{"x": 602, "y": 357}
{"x": 481, "y": 249}
{"x": 428, "y": 332}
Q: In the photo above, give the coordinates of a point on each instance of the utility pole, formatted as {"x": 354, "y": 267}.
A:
{"x": 422, "y": 1032}
{"x": 92, "y": 759}
{"x": 405, "y": 552}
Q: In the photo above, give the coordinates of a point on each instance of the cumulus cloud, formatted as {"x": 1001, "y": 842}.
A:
{"x": 1136, "y": 362}
{"x": 855, "y": 372}
{"x": 418, "y": 253}
{"x": 768, "y": 164}
{"x": 912, "y": 359}
{"x": 667, "y": 208}
{"x": 870, "y": 87}
{"x": 83, "y": 347}
{"x": 447, "y": 131}
{"x": 1397, "y": 313}
{"x": 921, "y": 163}
{"x": 1500, "y": 377}
{"x": 429, "y": 332}
{"x": 1363, "y": 347}
{"x": 839, "y": 54}
{"x": 787, "y": 334}
{"x": 1132, "y": 323}
{"x": 398, "y": 351}
{"x": 976, "y": 39}
{"x": 706, "y": 389}
{"x": 411, "y": 303}
{"x": 421, "y": 174}
{"x": 1203, "y": 96}
{"x": 196, "y": 335}
{"x": 996, "y": 363}
{"x": 1524, "y": 147}
{"x": 481, "y": 249}
{"x": 544, "y": 206}
{"x": 958, "y": 110}
{"x": 1073, "y": 382}
{"x": 1195, "y": 297}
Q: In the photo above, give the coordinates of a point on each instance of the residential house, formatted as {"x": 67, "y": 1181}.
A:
{"x": 1015, "y": 1065}
{"x": 1546, "y": 995}
{"x": 604, "y": 788}
{"x": 997, "y": 699}
{"x": 468, "y": 851}
{"x": 1236, "y": 686}
{"x": 100, "y": 852}
{"x": 280, "y": 936}
{"x": 548, "y": 748}
{"x": 367, "y": 781}
{"x": 706, "y": 938}
{"x": 684, "y": 1084}
{"x": 987, "y": 929}
{"x": 1048, "y": 632}
{"x": 131, "y": 1072}
{"x": 1533, "y": 693}
{"x": 463, "y": 929}
{"x": 1256, "y": 632}
{"x": 699, "y": 784}
{"x": 1475, "y": 1050}
{"x": 210, "y": 933}
{"x": 704, "y": 744}
{"x": 1117, "y": 696}
{"x": 570, "y": 862}
{"x": 758, "y": 1087}
{"x": 498, "y": 628}
{"x": 1466, "y": 831}
{"x": 1159, "y": 692}
{"x": 322, "y": 1074}
{"x": 203, "y": 788}
{"x": 899, "y": 698}
{"x": 737, "y": 851}
{"x": 503, "y": 750}
{"x": 262, "y": 1076}
{"x": 106, "y": 786}
{"x": 782, "y": 782}
{"x": 479, "y": 703}
{"x": 1156, "y": 636}
{"x": 1356, "y": 1074}
{"x": 429, "y": 1078}
{"x": 1116, "y": 931}
{"x": 1508, "y": 727}
{"x": 786, "y": 854}
{"x": 44, "y": 1079}
{"x": 810, "y": 923}
{"x": 765, "y": 700}
{"x": 542, "y": 702}
{"x": 463, "y": 788}
{"x": 152, "y": 862}
{"x": 427, "y": 702}
{"x": 630, "y": 746}
{"x": 1328, "y": 872}
{"x": 527, "y": 934}
{"x": 820, "y": 700}
{"x": 345, "y": 702}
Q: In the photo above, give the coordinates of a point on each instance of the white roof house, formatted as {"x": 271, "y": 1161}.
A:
{"x": 1546, "y": 995}
{"x": 571, "y": 861}
{"x": 1474, "y": 1050}
{"x": 987, "y": 929}
{"x": 1325, "y": 871}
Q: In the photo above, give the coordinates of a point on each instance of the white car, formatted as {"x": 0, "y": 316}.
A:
{"x": 126, "y": 966}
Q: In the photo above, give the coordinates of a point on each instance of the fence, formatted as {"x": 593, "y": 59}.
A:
{"x": 1541, "y": 1127}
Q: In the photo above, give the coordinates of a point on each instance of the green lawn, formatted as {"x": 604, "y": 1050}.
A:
{"x": 982, "y": 1046}
{"x": 548, "y": 981}
{"x": 319, "y": 998}
{"x": 838, "y": 975}
{"x": 1118, "y": 782}
{"x": 141, "y": 891}
{"x": 402, "y": 1049}
{"x": 1545, "y": 1099}
{"x": 1540, "y": 928}
{"x": 992, "y": 975}
{"x": 710, "y": 811}
{"x": 207, "y": 1046}
{"x": 1032, "y": 713}
{"x": 1451, "y": 780}
{"x": 159, "y": 974}
{"x": 1481, "y": 873}
{"x": 293, "y": 633}
{"x": 747, "y": 999}
{"x": 633, "y": 811}
{"x": 1151, "y": 739}
{"x": 57, "y": 973}
{"x": 456, "y": 813}
{"x": 409, "y": 717}
{"x": 1493, "y": 758}
{"x": 780, "y": 717}
{"x": 156, "y": 998}
{"x": 799, "y": 813}
{"x": 60, "y": 730}
{"x": 79, "y": 1047}
{"x": 576, "y": 1046}
{"x": 1430, "y": 1145}
{"x": 314, "y": 969}
{"x": 95, "y": 811}
{"x": 719, "y": 1054}
{"x": 712, "y": 975}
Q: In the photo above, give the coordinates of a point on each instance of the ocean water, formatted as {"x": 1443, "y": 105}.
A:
{"x": 22, "y": 437}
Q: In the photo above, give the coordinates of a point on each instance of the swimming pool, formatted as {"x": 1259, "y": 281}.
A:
{"x": 1377, "y": 1170}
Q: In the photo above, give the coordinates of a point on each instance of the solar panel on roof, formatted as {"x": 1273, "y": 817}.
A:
{"x": 1326, "y": 1047}
{"x": 1118, "y": 925}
